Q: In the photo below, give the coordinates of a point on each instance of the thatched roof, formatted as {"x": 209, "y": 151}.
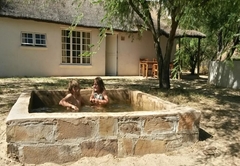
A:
{"x": 57, "y": 11}
{"x": 66, "y": 12}
{"x": 181, "y": 33}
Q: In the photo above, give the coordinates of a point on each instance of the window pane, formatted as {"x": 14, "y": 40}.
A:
{"x": 88, "y": 41}
{"x": 27, "y": 39}
{"x": 73, "y": 33}
{"x": 84, "y": 34}
{"x": 68, "y": 53}
{"x": 88, "y": 60}
{"x": 78, "y": 34}
{"x": 64, "y": 59}
{"x": 74, "y": 45}
{"x": 64, "y": 33}
{"x": 78, "y": 53}
{"x": 68, "y": 46}
{"x": 43, "y": 37}
{"x": 29, "y": 35}
{"x": 68, "y": 60}
{"x": 24, "y": 35}
{"x": 74, "y": 40}
{"x": 84, "y": 59}
{"x": 32, "y": 39}
{"x": 74, "y": 60}
{"x": 88, "y": 35}
{"x": 40, "y": 39}
{"x": 74, "y": 53}
{"x": 64, "y": 53}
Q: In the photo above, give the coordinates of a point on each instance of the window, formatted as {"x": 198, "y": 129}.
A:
{"x": 33, "y": 39}
{"x": 73, "y": 45}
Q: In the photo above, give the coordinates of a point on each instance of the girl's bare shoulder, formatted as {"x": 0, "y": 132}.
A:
{"x": 69, "y": 95}
{"x": 104, "y": 91}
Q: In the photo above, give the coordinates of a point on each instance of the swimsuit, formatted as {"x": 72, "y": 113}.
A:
{"x": 98, "y": 96}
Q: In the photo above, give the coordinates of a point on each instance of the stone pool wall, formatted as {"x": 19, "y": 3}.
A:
{"x": 35, "y": 138}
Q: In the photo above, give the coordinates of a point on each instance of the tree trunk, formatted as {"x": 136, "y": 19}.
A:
{"x": 166, "y": 62}
{"x": 193, "y": 67}
{"x": 236, "y": 42}
{"x": 159, "y": 61}
{"x": 193, "y": 62}
{"x": 219, "y": 51}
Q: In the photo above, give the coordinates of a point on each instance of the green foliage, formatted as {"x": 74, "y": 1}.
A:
{"x": 218, "y": 19}
{"x": 188, "y": 53}
{"x": 177, "y": 64}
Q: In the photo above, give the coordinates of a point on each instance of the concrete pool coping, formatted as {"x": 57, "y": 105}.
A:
{"x": 21, "y": 111}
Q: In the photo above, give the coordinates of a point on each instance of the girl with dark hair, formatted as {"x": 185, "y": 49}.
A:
{"x": 99, "y": 95}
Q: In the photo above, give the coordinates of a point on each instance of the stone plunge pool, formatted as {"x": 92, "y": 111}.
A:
{"x": 60, "y": 137}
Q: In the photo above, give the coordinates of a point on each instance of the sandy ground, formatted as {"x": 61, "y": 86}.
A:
{"x": 220, "y": 124}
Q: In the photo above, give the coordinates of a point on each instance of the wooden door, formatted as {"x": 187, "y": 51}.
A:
{"x": 111, "y": 55}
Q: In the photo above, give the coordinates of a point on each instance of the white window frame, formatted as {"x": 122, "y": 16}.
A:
{"x": 73, "y": 45}
{"x": 33, "y": 39}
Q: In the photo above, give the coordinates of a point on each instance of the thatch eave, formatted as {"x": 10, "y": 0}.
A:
{"x": 66, "y": 12}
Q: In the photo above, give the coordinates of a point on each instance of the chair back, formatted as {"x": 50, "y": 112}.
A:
{"x": 143, "y": 59}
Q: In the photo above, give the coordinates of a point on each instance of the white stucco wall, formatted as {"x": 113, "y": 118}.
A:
{"x": 17, "y": 60}
{"x": 130, "y": 51}
{"x": 224, "y": 74}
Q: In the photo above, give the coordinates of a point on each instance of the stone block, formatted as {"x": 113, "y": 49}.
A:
{"x": 130, "y": 128}
{"x": 50, "y": 153}
{"x": 144, "y": 146}
{"x": 125, "y": 147}
{"x": 99, "y": 148}
{"x": 107, "y": 126}
{"x": 75, "y": 128}
{"x": 155, "y": 125}
{"x": 188, "y": 121}
{"x": 31, "y": 132}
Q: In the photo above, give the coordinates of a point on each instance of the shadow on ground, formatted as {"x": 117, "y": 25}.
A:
{"x": 203, "y": 135}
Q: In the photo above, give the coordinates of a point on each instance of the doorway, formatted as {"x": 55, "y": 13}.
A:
{"x": 111, "y": 55}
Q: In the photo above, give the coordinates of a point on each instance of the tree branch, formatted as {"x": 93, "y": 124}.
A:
{"x": 149, "y": 21}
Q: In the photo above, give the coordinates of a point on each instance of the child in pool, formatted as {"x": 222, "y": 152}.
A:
{"x": 73, "y": 99}
{"x": 99, "y": 95}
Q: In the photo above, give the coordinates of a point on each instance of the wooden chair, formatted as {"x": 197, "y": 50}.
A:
{"x": 142, "y": 67}
{"x": 155, "y": 71}
{"x": 154, "y": 65}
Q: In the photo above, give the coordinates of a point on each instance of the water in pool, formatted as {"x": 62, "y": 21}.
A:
{"x": 114, "y": 107}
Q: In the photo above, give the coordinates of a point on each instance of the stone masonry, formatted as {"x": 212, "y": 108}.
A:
{"x": 36, "y": 138}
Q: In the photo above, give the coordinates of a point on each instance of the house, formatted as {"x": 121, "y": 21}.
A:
{"x": 35, "y": 41}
